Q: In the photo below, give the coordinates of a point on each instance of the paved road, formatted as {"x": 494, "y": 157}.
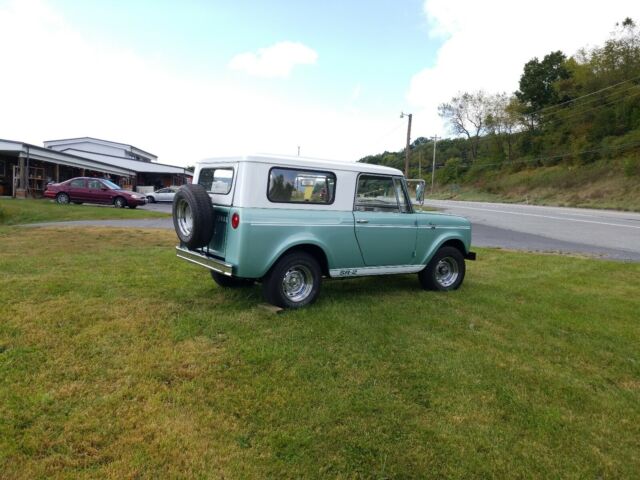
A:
{"x": 606, "y": 233}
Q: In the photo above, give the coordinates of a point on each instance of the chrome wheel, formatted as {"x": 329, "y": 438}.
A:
{"x": 62, "y": 199}
{"x": 297, "y": 283}
{"x": 446, "y": 272}
{"x": 119, "y": 202}
{"x": 184, "y": 217}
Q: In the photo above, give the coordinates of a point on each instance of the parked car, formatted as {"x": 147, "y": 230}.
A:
{"x": 289, "y": 222}
{"x": 93, "y": 190}
{"x": 162, "y": 195}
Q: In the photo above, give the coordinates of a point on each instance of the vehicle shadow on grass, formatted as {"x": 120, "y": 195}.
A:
{"x": 364, "y": 289}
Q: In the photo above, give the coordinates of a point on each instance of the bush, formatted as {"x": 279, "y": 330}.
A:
{"x": 632, "y": 166}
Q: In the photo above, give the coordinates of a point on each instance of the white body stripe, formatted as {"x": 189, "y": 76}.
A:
{"x": 367, "y": 271}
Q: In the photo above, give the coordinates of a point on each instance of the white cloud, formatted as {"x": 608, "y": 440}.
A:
{"x": 275, "y": 61}
{"x": 56, "y": 83}
{"x": 486, "y": 44}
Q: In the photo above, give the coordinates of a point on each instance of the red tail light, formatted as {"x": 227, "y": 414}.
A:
{"x": 235, "y": 220}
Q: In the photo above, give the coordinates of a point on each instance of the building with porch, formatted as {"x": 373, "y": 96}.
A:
{"x": 26, "y": 169}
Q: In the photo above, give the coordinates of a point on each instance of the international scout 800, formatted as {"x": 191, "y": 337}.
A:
{"x": 289, "y": 222}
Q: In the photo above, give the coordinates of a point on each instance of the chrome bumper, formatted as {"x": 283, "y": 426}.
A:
{"x": 199, "y": 258}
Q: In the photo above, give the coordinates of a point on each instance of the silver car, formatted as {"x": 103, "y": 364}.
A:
{"x": 162, "y": 195}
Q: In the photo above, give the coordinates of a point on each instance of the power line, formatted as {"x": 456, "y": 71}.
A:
{"x": 558, "y": 105}
{"x": 553, "y": 157}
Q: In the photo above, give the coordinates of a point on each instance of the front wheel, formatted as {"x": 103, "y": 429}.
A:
{"x": 119, "y": 202}
{"x": 445, "y": 271}
{"x": 133, "y": 206}
{"x": 293, "y": 282}
{"x": 230, "y": 282}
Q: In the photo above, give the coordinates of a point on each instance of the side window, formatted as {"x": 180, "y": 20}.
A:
{"x": 162, "y": 190}
{"x": 287, "y": 185}
{"x": 77, "y": 183}
{"x": 216, "y": 180}
{"x": 376, "y": 194}
{"x": 95, "y": 184}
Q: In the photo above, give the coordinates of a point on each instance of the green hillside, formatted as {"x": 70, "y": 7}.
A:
{"x": 569, "y": 135}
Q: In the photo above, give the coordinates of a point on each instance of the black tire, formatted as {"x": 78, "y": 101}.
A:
{"x": 63, "y": 199}
{"x": 133, "y": 206}
{"x": 119, "y": 202}
{"x": 77, "y": 203}
{"x": 305, "y": 277}
{"x": 230, "y": 282}
{"x": 193, "y": 216}
{"x": 151, "y": 199}
{"x": 445, "y": 271}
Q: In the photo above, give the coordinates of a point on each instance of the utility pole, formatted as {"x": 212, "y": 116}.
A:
{"x": 407, "y": 151}
{"x": 298, "y": 150}
{"x": 435, "y": 139}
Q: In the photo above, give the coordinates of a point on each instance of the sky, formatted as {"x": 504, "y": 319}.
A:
{"x": 196, "y": 79}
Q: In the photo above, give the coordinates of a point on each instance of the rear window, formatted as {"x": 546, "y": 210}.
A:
{"x": 287, "y": 185}
{"x": 216, "y": 180}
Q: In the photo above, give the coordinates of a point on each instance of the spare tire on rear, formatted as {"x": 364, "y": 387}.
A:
{"x": 193, "y": 216}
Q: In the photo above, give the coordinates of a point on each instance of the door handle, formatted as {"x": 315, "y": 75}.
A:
{"x": 362, "y": 221}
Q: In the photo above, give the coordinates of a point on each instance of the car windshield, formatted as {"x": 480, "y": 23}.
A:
{"x": 111, "y": 185}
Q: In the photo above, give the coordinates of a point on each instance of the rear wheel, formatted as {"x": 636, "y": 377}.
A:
{"x": 445, "y": 271}
{"x": 230, "y": 282}
{"x": 119, "y": 202}
{"x": 151, "y": 199}
{"x": 293, "y": 282}
{"x": 62, "y": 199}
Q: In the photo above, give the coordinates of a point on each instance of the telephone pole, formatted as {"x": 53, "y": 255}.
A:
{"x": 435, "y": 139}
{"x": 407, "y": 151}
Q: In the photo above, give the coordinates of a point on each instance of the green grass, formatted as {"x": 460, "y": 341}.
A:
{"x": 118, "y": 361}
{"x": 20, "y": 211}
{"x": 597, "y": 185}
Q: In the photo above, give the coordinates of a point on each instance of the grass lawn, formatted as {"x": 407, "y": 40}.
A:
{"x": 18, "y": 211}
{"x": 118, "y": 361}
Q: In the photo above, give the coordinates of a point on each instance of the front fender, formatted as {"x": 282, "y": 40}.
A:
{"x": 440, "y": 239}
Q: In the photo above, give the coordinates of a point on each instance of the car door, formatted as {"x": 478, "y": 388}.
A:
{"x": 77, "y": 190}
{"x": 97, "y": 192}
{"x": 161, "y": 195}
{"x": 385, "y": 224}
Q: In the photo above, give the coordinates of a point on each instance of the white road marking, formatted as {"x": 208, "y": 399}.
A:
{"x": 546, "y": 216}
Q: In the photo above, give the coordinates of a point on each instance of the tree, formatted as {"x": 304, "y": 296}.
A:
{"x": 467, "y": 114}
{"x": 537, "y": 83}
{"x": 505, "y": 114}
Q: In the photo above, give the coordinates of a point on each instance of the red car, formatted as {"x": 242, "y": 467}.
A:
{"x": 93, "y": 190}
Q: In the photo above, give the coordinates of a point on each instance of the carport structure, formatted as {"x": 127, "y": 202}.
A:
{"x": 26, "y": 169}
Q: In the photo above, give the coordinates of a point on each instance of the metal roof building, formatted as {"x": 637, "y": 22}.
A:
{"x": 25, "y": 169}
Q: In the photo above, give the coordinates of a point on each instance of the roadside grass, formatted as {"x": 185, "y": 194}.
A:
{"x": 20, "y": 211}
{"x": 597, "y": 185}
{"x": 117, "y": 360}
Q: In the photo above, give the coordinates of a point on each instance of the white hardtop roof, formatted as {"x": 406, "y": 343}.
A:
{"x": 305, "y": 162}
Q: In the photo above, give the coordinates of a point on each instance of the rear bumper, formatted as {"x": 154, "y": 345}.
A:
{"x": 204, "y": 260}
{"x": 470, "y": 256}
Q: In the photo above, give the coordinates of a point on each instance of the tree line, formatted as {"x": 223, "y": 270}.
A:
{"x": 567, "y": 110}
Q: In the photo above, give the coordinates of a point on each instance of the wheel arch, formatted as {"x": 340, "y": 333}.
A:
{"x": 313, "y": 249}
{"x": 455, "y": 241}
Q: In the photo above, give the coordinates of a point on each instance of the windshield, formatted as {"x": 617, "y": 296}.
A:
{"x": 111, "y": 185}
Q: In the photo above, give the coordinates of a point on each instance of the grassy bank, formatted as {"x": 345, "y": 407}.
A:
{"x": 117, "y": 360}
{"x": 597, "y": 185}
{"x": 15, "y": 212}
